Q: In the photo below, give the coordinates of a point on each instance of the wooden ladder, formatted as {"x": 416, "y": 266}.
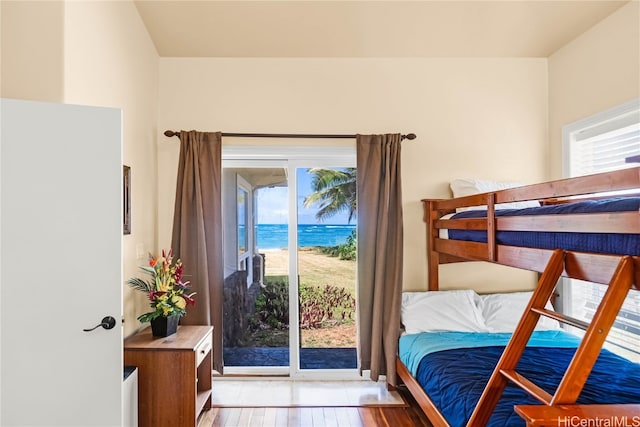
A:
{"x": 585, "y": 356}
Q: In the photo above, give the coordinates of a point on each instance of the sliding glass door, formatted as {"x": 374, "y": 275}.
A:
{"x": 256, "y": 262}
{"x": 290, "y": 266}
{"x": 326, "y": 260}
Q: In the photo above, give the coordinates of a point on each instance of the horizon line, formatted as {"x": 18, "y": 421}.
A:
{"x": 311, "y": 223}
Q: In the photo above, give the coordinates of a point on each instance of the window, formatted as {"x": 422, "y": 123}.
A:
{"x": 243, "y": 237}
{"x": 243, "y": 224}
{"x": 604, "y": 142}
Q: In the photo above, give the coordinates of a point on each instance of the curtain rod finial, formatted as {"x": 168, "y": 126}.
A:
{"x": 171, "y": 133}
{"x": 410, "y": 136}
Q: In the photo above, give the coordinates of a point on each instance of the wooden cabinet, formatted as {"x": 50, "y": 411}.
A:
{"x": 174, "y": 375}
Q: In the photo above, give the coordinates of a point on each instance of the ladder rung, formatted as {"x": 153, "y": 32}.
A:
{"x": 505, "y": 368}
{"x": 561, "y": 318}
{"x": 527, "y": 386}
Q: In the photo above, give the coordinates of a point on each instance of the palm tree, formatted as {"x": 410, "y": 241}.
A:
{"x": 334, "y": 192}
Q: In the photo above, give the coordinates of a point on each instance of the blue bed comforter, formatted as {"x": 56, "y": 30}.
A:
{"x": 454, "y": 378}
{"x": 613, "y": 243}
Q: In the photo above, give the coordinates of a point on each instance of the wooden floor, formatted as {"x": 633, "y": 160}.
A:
{"x": 390, "y": 416}
{"x": 284, "y": 392}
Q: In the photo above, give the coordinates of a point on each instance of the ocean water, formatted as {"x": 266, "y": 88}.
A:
{"x": 274, "y": 236}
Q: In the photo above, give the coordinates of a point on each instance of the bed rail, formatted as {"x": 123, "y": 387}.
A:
{"x": 442, "y": 251}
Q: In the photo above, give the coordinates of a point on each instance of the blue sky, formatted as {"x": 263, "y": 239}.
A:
{"x": 272, "y": 204}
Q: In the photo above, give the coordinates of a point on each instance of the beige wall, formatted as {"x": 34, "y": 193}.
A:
{"x": 36, "y": 27}
{"x": 95, "y": 53}
{"x": 484, "y": 118}
{"x": 110, "y": 60}
{"x": 596, "y": 71}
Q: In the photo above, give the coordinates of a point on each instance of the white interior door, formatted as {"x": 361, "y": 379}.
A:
{"x": 60, "y": 260}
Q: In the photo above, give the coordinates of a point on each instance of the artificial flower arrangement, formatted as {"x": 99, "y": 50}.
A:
{"x": 166, "y": 291}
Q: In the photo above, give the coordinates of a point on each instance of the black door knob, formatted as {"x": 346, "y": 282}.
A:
{"x": 107, "y": 323}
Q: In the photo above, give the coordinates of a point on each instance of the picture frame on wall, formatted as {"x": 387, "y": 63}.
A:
{"x": 126, "y": 202}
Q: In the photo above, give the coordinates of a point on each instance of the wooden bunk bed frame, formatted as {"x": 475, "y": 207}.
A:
{"x": 620, "y": 272}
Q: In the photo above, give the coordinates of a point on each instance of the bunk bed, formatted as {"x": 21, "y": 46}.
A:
{"x": 577, "y": 231}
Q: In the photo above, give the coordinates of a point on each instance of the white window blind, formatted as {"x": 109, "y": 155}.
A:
{"x": 603, "y": 143}
{"x": 624, "y": 337}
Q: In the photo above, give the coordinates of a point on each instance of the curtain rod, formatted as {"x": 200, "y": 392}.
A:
{"x": 170, "y": 133}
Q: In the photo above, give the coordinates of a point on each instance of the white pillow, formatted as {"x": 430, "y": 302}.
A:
{"x": 502, "y": 312}
{"x": 467, "y": 187}
{"x": 442, "y": 311}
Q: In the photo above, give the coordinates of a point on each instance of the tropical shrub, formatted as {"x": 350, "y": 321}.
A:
{"x": 272, "y": 305}
{"x": 325, "y": 306}
{"x": 346, "y": 251}
{"x": 320, "y": 306}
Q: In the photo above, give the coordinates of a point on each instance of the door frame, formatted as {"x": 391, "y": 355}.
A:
{"x": 292, "y": 157}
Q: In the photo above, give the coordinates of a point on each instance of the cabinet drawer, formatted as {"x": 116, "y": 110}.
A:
{"x": 203, "y": 350}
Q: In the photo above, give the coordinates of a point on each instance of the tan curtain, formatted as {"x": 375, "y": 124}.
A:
{"x": 197, "y": 230}
{"x": 379, "y": 253}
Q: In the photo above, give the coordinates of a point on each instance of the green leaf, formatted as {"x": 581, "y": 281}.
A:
{"x": 140, "y": 285}
{"x": 148, "y": 317}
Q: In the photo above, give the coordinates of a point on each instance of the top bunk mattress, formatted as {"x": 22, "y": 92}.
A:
{"x": 609, "y": 243}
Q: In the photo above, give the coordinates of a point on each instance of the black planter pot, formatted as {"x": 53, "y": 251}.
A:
{"x": 164, "y": 326}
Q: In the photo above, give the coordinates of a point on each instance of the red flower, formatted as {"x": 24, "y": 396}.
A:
{"x": 178, "y": 273}
{"x": 154, "y": 295}
{"x": 188, "y": 299}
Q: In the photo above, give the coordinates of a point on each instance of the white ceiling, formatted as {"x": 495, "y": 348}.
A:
{"x": 297, "y": 28}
